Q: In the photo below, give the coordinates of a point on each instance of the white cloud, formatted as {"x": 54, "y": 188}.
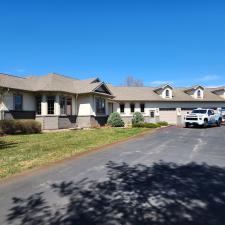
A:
{"x": 208, "y": 78}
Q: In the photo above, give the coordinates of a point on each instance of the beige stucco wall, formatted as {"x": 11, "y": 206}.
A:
{"x": 155, "y": 105}
{"x": 7, "y": 102}
{"x": 85, "y": 105}
{"x": 28, "y": 101}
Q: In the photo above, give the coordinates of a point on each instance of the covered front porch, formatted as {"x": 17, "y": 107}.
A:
{"x": 56, "y": 110}
{"x": 62, "y": 110}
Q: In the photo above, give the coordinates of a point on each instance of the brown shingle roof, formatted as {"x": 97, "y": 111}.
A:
{"x": 50, "y": 82}
{"x": 55, "y": 82}
{"x": 148, "y": 94}
{"x": 14, "y": 82}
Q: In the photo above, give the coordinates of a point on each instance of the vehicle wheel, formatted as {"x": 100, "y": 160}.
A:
{"x": 218, "y": 123}
{"x": 187, "y": 125}
{"x": 205, "y": 123}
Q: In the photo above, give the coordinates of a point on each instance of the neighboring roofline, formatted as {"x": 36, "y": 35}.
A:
{"x": 218, "y": 89}
{"x": 58, "y": 74}
{"x": 11, "y": 75}
{"x": 169, "y": 100}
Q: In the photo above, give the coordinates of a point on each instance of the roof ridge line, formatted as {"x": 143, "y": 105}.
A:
{"x": 12, "y": 75}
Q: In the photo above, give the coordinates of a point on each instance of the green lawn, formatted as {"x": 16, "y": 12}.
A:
{"x": 22, "y": 152}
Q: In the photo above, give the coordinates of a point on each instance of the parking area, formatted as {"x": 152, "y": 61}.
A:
{"x": 174, "y": 176}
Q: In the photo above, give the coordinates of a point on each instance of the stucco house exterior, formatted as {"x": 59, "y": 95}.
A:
{"x": 59, "y": 102}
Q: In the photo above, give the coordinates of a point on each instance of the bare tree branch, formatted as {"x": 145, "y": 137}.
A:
{"x": 132, "y": 82}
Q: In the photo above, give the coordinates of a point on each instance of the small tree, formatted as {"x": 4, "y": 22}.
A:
{"x": 132, "y": 82}
{"x": 137, "y": 118}
{"x": 115, "y": 120}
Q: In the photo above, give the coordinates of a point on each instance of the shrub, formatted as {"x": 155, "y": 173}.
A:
{"x": 137, "y": 118}
{"x": 115, "y": 120}
{"x": 146, "y": 125}
{"x": 163, "y": 123}
{"x": 20, "y": 126}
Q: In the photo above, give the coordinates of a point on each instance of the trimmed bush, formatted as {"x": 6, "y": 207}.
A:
{"x": 146, "y": 125}
{"x": 137, "y": 118}
{"x": 115, "y": 120}
{"x": 20, "y": 126}
{"x": 163, "y": 123}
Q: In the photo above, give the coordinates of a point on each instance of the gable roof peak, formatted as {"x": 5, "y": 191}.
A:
{"x": 163, "y": 86}
{"x": 92, "y": 80}
{"x": 195, "y": 87}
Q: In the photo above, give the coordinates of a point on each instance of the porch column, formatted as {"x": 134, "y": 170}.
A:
{"x": 74, "y": 105}
{"x": 106, "y": 107}
{"x": 179, "y": 116}
{"x": 44, "y": 105}
{"x": 157, "y": 115}
{"x": 57, "y": 105}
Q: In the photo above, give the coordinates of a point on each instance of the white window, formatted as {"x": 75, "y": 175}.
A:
{"x": 132, "y": 107}
{"x": 122, "y": 108}
{"x": 167, "y": 93}
{"x": 51, "y": 102}
{"x": 152, "y": 114}
{"x": 65, "y": 105}
{"x": 38, "y": 105}
{"x": 100, "y": 105}
{"x": 18, "y": 102}
{"x": 142, "y": 106}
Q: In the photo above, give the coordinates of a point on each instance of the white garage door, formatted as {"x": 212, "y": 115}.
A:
{"x": 169, "y": 116}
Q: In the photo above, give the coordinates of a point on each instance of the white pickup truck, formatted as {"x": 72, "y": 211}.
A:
{"x": 203, "y": 117}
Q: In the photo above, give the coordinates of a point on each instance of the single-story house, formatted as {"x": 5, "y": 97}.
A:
{"x": 59, "y": 102}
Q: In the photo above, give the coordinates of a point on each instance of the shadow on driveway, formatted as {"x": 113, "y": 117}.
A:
{"x": 161, "y": 194}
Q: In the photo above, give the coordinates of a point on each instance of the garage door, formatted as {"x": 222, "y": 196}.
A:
{"x": 168, "y": 115}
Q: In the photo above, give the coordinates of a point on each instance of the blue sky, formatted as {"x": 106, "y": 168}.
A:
{"x": 177, "y": 41}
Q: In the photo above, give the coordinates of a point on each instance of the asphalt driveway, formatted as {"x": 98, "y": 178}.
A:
{"x": 174, "y": 176}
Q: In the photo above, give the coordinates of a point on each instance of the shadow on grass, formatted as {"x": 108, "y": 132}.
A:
{"x": 161, "y": 194}
{"x": 4, "y": 144}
